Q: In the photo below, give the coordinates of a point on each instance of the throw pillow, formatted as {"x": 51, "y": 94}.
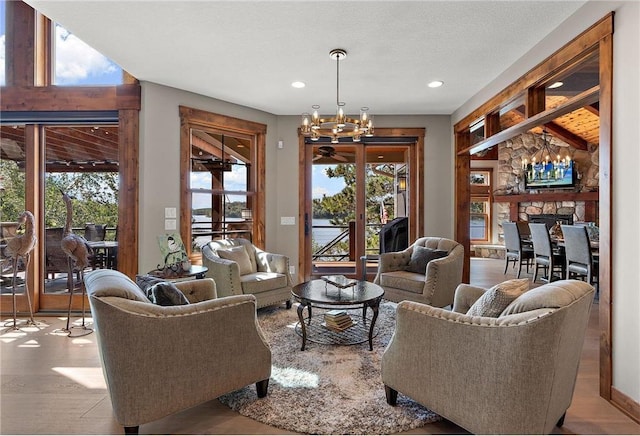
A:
{"x": 144, "y": 282}
{"x": 496, "y": 299}
{"x": 166, "y": 294}
{"x": 421, "y": 256}
{"x": 240, "y": 256}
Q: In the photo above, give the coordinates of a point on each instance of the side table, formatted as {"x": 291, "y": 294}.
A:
{"x": 195, "y": 272}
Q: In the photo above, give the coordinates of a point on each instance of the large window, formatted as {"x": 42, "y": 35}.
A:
{"x": 222, "y": 179}
{"x": 221, "y": 186}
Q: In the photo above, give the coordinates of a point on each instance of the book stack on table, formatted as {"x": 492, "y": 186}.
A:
{"x": 337, "y": 320}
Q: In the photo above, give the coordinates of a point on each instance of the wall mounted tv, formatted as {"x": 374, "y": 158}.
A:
{"x": 550, "y": 175}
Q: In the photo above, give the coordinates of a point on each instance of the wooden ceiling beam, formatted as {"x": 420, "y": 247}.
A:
{"x": 590, "y": 96}
{"x": 569, "y": 137}
{"x": 70, "y": 98}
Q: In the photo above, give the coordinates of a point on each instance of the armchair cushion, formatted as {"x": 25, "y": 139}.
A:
{"x": 421, "y": 256}
{"x": 493, "y": 302}
{"x": 256, "y": 283}
{"x": 240, "y": 256}
{"x": 406, "y": 280}
{"x": 166, "y": 294}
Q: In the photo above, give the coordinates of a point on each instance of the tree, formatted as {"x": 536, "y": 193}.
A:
{"x": 95, "y": 196}
{"x": 339, "y": 208}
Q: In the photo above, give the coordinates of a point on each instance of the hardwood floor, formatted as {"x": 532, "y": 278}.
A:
{"x": 51, "y": 384}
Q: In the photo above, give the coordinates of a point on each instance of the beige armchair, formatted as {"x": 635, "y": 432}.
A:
{"x": 435, "y": 286}
{"x": 513, "y": 374}
{"x": 239, "y": 267}
{"x": 158, "y": 360}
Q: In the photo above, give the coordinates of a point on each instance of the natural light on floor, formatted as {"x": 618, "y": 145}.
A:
{"x": 294, "y": 378}
{"x": 90, "y": 378}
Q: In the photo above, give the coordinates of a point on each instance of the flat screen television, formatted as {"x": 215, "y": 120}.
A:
{"x": 394, "y": 235}
{"x": 550, "y": 176}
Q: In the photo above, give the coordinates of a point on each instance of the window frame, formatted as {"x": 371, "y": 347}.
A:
{"x": 197, "y": 119}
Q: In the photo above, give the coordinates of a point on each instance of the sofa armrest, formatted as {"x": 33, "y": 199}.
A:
{"x": 465, "y": 296}
{"x": 226, "y": 274}
{"x": 272, "y": 262}
{"x": 443, "y": 276}
{"x": 198, "y": 290}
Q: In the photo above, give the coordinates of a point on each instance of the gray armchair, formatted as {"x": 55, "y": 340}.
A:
{"x": 158, "y": 360}
{"x": 514, "y": 374}
{"x": 435, "y": 286}
{"x": 239, "y": 267}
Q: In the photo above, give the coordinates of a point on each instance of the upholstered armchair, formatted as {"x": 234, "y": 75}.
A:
{"x": 158, "y": 360}
{"x": 239, "y": 267}
{"x": 426, "y": 272}
{"x": 510, "y": 374}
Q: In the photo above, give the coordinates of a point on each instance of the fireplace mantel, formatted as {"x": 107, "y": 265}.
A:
{"x": 547, "y": 196}
{"x": 590, "y": 198}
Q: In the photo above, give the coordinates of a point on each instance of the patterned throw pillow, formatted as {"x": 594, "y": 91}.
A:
{"x": 421, "y": 256}
{"x": 240, "y": 256}
{"x": 161, "y": 292}
{"x": 496, "y": 299}
{"x": 166, "y": 294}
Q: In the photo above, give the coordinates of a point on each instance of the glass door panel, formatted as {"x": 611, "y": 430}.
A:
{"x": 12, "y": 204}
{"x": 81, "y": 162}
{"x": 386, "y": 208}
{"x": 333, "y": 180}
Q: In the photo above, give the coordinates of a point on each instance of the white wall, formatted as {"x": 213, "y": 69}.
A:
{"x": 626, "y": 160}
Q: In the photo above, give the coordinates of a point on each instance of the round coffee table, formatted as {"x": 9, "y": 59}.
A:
{"x": 324, "y": 295}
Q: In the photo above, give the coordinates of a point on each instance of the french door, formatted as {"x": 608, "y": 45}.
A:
{"x": 350, "y": 191}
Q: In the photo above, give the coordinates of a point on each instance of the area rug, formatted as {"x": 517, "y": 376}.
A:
{"x": 326, "y": 389}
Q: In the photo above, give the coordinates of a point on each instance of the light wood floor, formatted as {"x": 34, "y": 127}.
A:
{"x": 51, "y": 384}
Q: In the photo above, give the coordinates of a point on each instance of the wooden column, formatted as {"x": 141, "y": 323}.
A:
{"x": 128, "y": 132}
{"x": 20, "y": 44}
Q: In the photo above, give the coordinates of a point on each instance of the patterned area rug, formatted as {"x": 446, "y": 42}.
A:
{"x": 327, "y": 389}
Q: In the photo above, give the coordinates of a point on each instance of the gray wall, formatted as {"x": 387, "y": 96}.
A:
{"x": 626, "y": 159}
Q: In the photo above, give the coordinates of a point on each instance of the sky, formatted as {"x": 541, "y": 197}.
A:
{"x": 75, "y": 62}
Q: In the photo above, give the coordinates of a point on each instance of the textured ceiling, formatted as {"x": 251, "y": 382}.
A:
{"x": 249, "y": 52}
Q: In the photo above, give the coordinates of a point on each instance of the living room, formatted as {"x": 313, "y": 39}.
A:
{"x": 159, "y": 187}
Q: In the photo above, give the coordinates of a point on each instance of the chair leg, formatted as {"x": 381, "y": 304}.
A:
{"x": 262, "y": 387}
{"x": 519, "y": 268}
{"x": 132, "y": 430}
{"x": 391, "y": 394}
{"x": 560, "y": 422}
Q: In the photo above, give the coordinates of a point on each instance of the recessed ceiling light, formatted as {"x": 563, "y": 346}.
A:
{"x": 436, "y": 84}
{"x": 298, "y": 84}
{"x": 555, "y": 85}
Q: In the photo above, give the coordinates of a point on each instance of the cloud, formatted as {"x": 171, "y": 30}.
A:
{"x": 319, "y": 191}
{"x": 76, "y": 62}
{"x": 2, "y": 62}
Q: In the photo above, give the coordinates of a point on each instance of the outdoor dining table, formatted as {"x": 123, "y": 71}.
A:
{"x": 107, "y": 250}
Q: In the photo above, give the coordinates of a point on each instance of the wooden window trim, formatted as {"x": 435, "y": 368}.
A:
{"x": 191, "y": 118}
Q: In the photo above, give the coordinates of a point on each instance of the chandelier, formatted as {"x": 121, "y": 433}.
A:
{"x": 542, "y": 168}
{"x": 340, "y": 125}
